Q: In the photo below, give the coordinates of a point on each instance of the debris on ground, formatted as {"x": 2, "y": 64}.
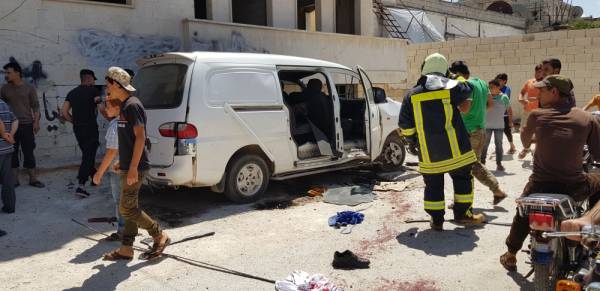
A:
{"x": 390, "y": 186}
{"x": 316, "y": 191}
{"x": 302, "y": 281}
{"x": 349, "y": 195}
{"x": 273, "y": 203}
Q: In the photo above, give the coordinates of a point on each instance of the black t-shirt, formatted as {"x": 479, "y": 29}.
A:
{"x": 83, "y": 106}
{"x": 132, "y": 114}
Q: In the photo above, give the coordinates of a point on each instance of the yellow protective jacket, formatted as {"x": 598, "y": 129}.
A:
{"x": 429, "y": 117}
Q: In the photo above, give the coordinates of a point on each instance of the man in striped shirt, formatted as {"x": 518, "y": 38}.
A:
{"x": 8, "y": 128}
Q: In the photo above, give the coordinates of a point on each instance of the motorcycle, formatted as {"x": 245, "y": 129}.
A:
{"x": 588, "y": 276}
{"x": 552, "y": 258}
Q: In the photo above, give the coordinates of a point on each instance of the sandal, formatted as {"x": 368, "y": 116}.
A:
{"x": 113, "y": 237}
{"x": 498, "y": 199}
{"x": 156, "y": 250}
{"x": 115, "y": 256}
{"x": 509, "y": 262}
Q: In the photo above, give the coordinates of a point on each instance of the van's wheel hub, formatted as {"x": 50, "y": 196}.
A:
{"x": 394, "y": 154}
{"x": 249, "y": 179}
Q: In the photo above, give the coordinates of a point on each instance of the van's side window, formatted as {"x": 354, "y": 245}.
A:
{"x": 348, "y": 85}
{"x": 243, "y": 87}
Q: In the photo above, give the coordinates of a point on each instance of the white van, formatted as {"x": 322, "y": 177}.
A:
{"x": 234, "y": 121}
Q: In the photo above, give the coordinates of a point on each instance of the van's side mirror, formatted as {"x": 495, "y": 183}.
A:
{"x": 379, "y": 95}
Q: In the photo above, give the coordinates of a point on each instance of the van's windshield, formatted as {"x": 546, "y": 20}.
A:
{"x": 161, "y": 86}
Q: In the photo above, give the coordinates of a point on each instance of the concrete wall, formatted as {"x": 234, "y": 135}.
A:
{"x": 579, "y": 51}
{"x": 62, "y": 37}
{"x": 383, "y": 58}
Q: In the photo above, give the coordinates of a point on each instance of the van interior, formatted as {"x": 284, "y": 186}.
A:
{"x": 309, "y": 100}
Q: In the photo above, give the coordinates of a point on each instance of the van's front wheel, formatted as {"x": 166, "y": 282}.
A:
{"x": 393, "y": 154}
{"x": 247, "y": 179}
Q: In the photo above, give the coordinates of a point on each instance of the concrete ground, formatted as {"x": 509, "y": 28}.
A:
{"x": 44, "y": 250}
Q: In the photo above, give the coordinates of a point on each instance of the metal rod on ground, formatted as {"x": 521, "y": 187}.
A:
{"x": 452, "y": 220}
{"x": 189, "y": 261}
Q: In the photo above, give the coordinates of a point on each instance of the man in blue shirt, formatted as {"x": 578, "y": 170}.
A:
{"x": 508, "y": 125}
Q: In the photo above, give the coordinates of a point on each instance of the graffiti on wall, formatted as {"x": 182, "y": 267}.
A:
{"x": 104, "y": 49}
{"x": 236, "y": 43}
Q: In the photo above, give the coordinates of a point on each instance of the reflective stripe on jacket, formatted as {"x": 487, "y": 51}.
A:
{"x": 431, "y": 119}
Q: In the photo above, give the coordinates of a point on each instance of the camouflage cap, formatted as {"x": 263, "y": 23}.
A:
{"x": 121, "y": 77}
{"x": 562, "y": 83}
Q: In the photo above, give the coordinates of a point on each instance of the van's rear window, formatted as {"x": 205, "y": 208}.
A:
{"x": 161, "y": 86}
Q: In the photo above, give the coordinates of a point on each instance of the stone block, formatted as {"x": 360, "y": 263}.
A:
{"x": 542, "y": 36}
{"x": 554, "y": 51}
{"x": 483, "y": 48}
{"x": 548, "y": 43}
{"x": 523, "y": 52}
{"x": 559, "y": 35}
{"x": 592, "y": 32}
{"x": 576, "y": 33}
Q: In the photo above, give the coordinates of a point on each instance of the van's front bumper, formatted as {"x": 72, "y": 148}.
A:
{"x": 180, "y": 173}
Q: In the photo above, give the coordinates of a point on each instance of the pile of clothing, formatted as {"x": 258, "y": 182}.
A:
{"x": 302, "y": 281}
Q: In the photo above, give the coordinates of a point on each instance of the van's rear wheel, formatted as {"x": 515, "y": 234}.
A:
{"x": 247, "y": 179}
{"x": 393, "y": 154}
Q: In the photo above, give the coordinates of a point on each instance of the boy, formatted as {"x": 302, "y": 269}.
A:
{"x": 495, "y": 122}
{"x": 113, "y": 108}
{"x": 133, "y": 163}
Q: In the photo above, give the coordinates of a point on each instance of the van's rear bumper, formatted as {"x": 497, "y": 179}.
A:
{"x": 180, "y": 173}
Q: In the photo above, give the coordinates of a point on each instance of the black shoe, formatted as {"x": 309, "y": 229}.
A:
{"x": 348, "y": 261}
{"x": 82, "y": 193}
{"x": 8, "y": 210}
{"x": 2, "y": 232}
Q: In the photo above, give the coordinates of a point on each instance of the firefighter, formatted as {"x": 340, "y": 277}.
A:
{"x": 430, "y": 121}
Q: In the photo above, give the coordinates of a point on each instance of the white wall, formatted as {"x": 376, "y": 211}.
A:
{"x": 66, "y": 36}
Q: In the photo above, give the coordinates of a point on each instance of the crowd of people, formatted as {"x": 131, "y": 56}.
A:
{"x": 450, "y": 116}
{"x": 125, "y": 138}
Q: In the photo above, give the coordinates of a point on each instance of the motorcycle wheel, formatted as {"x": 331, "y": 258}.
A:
{"x": 546, "y": 276}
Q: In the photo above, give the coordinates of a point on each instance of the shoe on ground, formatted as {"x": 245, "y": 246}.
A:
{"x": 347, "y": 260}
{"x": 509, "y": 261}
{"x": 82, "y": 193}
{"x": 8, "y": 210}
{"x": 436, "y": 226}
{"x": 500, "y": 168}
{"x": 475, "y": 220}
{"x": 2, "y": 232}
{"x": 37, "y": 184}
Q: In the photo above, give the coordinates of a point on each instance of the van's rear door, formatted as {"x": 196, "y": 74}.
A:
{"x": 162, "y": 87}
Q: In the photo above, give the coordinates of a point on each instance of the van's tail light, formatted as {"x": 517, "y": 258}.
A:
{"x": 178, "y": 130}
{"x": 541, "y": 221}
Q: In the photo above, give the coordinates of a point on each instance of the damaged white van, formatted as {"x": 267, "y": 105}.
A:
{"x": 234, "y": 121}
